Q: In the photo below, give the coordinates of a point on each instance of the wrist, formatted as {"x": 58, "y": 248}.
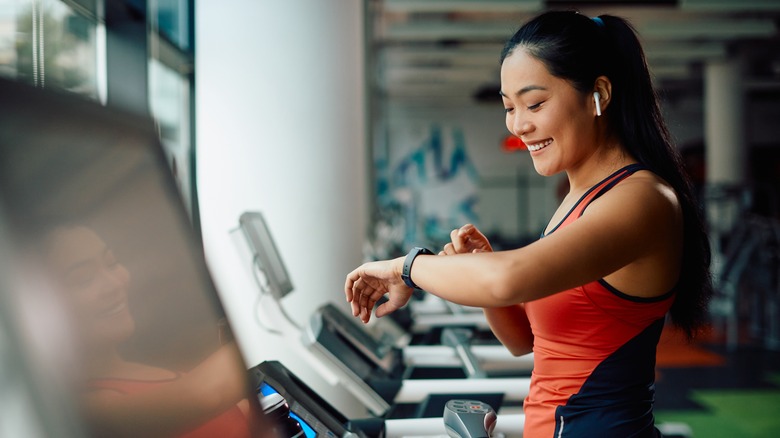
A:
{"x": 406, "y": 271}
{"x": 398, "y": 266}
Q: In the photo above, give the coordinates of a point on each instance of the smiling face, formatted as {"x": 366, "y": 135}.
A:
{"x": 95, "y": 283}
{"x": 553, "y": 119}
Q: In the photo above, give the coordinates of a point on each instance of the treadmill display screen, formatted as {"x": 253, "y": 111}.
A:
{"x": 310, "y": 409}
{"x": 266, "y": 389}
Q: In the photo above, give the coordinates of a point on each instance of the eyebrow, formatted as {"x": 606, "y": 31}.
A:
{"x": 83, "y": 263}
{"x": 525, "y": 90}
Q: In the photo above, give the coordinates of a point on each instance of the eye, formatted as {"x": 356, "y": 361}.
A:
{"x": 80, "y": 279}
{"x": 509, "y": 110}
{"x": 536, "y": 106}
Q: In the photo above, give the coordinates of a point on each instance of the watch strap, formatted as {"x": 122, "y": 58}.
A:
{"x": 406, "y": 273}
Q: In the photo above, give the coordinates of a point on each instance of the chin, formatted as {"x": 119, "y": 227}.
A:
{"x": 116, "y": 331}
{"x": 544, "y": 170}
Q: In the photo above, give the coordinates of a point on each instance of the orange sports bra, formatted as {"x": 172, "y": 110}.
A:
{"x": 229, "y": 424}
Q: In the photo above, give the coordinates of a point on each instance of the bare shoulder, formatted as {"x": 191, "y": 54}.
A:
{"x": 643, "y": 193}
{"x": 643, "y": 209}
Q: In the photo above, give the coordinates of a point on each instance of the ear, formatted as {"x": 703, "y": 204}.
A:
{"x": 604, "y": 87}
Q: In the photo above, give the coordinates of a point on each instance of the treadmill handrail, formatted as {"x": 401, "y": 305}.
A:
{"x": 415, "y": 390}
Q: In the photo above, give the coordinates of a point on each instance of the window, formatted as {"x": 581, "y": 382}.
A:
{"x": 50, "y": 44}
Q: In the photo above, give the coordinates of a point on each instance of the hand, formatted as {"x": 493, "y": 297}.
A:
{"x": 370, "y": 282}
{"x": 466, "y": 239}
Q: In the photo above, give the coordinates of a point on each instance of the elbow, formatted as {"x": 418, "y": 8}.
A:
{"x": 519, "y": 350}
{"x": 518, "y": 346}
{"x": 504, "y": 292}
{"x": 516, "y": 352}
{"x": 503, "y": 296}
{"x": 504, "y": 286}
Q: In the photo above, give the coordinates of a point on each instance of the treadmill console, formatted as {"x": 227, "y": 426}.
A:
{"x": 316, "y": 416}
{"x": 381, "y": 352}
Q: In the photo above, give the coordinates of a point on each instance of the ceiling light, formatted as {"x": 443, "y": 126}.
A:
{"x": 487, "y": 55}
{"x": 685, "y": 51}
{"x": 444, "y": 6}
{"x": 710, "y": 29}
{"x": 440, "y": 30}
{"x": 729, "y": 5}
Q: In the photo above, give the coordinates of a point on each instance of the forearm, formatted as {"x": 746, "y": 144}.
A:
{"x": 511, "y": 327}
{"x": 478, "y": 280}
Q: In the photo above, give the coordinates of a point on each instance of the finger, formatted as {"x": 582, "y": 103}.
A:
{"x": 474, "y": 238}
{"x": 363, "y": 301}
{"x": 352, "y": 277}
{"x": 358, "y": 288}
{"x": 449, "y": 249}
{"x": 373, "y": 298}
{"x": 362, "y": 291}
{"x": 442, "y": 253}
{"x": 457, "y": 241}
{"x": 479, "y": 235}
{"x": 348, "y": 289}
{"x": 369, "y": 296}
{"x": 466, "y": 229}
{"x": 355, "y": 308}
{"x": 365, "y": 315}
{"x": 386, "y": 308}
{"x": 371, "y": 304}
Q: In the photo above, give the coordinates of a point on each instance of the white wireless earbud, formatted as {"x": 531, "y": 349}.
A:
{"x": 596, "y": 97}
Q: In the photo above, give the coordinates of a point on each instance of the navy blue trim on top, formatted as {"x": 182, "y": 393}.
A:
{"x": 616, "y": 399}
{"x": 576, "y": 204}
{"x": 630, "y": 168}
{"x": 613, "y": 183}
{"x": 633, "y": 298}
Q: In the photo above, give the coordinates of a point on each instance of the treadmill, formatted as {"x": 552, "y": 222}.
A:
{"x": 378, "y": 374}
{"x": 318, "y": 418}
{"x": 372, "y": 370}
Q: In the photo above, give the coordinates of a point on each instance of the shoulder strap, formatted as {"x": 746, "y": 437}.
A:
{"x": 606, "y": 185}
{"x": 595, "y": 192}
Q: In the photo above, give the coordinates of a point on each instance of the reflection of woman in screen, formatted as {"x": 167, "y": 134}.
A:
{"x": 124, "y": 398}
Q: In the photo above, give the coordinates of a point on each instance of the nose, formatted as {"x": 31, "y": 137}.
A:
{"x": 115, "y": 279}
{"x": 520, "y": 126}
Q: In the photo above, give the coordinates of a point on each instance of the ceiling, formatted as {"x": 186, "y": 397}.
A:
{"x": 434, "y": 50}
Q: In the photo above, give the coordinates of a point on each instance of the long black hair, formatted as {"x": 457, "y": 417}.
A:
{"x": 580, "y": 49}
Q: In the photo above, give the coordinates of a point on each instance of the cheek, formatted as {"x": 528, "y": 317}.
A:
{"x": 85, "y": 298}
{"x": 550, "y": 121}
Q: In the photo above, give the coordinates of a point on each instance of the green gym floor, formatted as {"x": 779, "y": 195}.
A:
{"x": 717, "y": 392}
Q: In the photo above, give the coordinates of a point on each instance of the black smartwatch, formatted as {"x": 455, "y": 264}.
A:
{"x": 407, "y": 271}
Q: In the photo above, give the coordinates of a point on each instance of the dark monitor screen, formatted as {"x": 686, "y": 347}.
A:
{"x": 108, "y": 285}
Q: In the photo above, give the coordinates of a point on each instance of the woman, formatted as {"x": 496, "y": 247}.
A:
{"x": 127, "y": 398}
{"x": 626, "y": 246}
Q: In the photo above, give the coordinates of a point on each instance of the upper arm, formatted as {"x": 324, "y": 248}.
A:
{"x": 511, "y": 326}
{"x": 637, "y": 219}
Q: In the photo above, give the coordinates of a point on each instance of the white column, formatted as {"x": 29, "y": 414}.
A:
{"x": 725, "y": 151}
{"x": 724, "y": 123}
{"x": 281, "y": 129}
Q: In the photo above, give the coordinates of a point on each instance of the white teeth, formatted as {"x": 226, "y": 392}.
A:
{"x": 114, "y": 310}
{"x": 539, "y": 146}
